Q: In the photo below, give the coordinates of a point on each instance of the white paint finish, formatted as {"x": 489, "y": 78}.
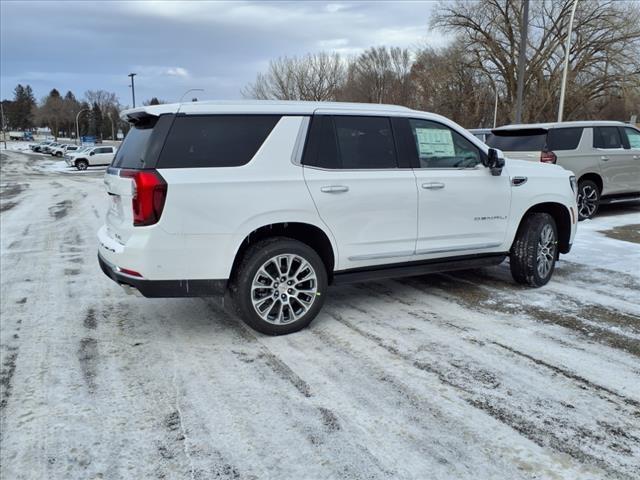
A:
{"x": 371, "y": 217}
{"x": 468, "y": 213}
{"x": 375, "y": 218}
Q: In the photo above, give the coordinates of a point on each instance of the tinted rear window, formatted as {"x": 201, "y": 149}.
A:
{"x": 350, "y": 142}
{"x": 141, "y": 146}
{"x": 518, "y": 140}
{"x": 607, "y": 137}
{"x": 215, "y": 140}
{"x": 564, "y": 138}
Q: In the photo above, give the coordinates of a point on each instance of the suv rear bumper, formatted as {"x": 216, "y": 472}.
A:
{"x": 164, "y": 288}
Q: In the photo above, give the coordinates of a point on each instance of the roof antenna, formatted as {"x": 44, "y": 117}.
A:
{"x": 190, "y": 90}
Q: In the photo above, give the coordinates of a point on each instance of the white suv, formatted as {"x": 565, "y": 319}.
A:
{"x": 91, "y": 156}
{"x": 603, "y": 155}
{"x": 274, "y": 201}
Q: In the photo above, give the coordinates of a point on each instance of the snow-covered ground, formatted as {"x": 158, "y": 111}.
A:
{"x": 462, "y": 375}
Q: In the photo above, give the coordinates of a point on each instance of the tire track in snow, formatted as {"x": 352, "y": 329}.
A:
{"x": 477, "y": 388}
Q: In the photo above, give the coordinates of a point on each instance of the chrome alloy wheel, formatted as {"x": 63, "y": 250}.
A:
{"x": 546, "y": 251}
{"x": 587, "y": 201}
{"x": 284, "y": 289}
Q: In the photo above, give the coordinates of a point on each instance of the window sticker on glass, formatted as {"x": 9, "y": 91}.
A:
{"x": 435, "y": 142}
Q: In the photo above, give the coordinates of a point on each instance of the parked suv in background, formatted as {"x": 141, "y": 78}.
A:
{"x": 274, "y": 201}
{"x": 91, "y": 156}
{"x": 604, "y": 156}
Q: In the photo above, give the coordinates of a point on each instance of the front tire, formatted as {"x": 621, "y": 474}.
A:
{"x": 82, "y": 164}
{"x": 588, "y": 199}
{"x": 535, "y": 250}
{"x": 280, "y": 286}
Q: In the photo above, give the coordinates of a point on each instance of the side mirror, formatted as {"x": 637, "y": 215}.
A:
{"x": 494, "y": 161}
{"x": 92, "y": 153}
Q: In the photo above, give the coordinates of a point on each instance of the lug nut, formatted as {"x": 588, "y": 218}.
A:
{"x": 290, "y": 291}
{"x": 284, "y": 296}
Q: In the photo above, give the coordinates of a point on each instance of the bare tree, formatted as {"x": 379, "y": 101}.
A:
{"x": 379, "y": 75}
{"x": 105, "y": 100}
{"x": 444, "y": 82}
{"x": 604, "y": 55}
{"x": 315, "y": 77}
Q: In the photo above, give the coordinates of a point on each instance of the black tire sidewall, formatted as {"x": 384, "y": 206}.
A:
{"x": 592, "y": 184}
{"x": 523, "y": 261}
{"x": 253, "y": 259}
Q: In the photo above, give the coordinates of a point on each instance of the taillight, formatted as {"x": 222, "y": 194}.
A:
{"x": 149, "y": 196}
{"x": 548, "y": 157}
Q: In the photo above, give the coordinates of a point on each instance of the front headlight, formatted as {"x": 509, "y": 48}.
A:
{"x": 574, "y": 184}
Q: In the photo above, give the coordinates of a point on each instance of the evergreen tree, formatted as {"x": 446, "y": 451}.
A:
{"x": 52, "y": 112}
{"x": 97, "y": 121}
{"x": 19, "y": 115}
{"x": 71, "y": 108}
{"x": 84, "y": 121}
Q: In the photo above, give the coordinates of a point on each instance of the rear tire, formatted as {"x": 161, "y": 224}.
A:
{"x": 280, "y": 286}
{"x": 535, "y": 250}
{"x": 82, "y": 164}
{"x": 588, "y": 199}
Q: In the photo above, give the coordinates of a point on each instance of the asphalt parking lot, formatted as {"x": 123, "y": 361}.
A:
{"x": 463, "y": 375}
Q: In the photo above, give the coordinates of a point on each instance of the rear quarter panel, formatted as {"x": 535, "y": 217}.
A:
{"x": 214, "y": 209}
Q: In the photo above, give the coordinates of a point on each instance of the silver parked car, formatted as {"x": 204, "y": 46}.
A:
{"x": 603, "y": 155}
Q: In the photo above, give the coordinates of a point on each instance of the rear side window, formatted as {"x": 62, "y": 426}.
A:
{"x": 525, "y": 140}
{"x": 215, "y": 140}
{"x": 606, "y": 137}
{"x": 564, "y": 138}
{"x": 350, "y": 142}
{"x": 142, "y": 145}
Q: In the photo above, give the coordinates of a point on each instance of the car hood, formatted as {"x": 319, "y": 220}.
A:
{"x": 525, "y": 167}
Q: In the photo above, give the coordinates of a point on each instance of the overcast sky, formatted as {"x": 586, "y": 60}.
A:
{"x": 174, "y": 46}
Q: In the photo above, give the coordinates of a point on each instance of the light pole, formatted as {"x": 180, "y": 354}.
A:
{"x": 133, "y": 88}
{"x": 522, "y": 60}
{"x": 191, "y": 90}
{"x": 563, "y": 86}
{"x": 77, "y": 126}
{"x": 113, "y": 134}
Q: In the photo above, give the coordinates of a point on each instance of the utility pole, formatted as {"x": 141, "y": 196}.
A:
{"x": 133, "y": 88}
{"x": 522, "y": 58}
{"x": 563, "y": 85}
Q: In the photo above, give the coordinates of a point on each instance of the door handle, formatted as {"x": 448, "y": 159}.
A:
{"x": 433, "y": 185}
{"x": 606, "y": 159}
{"x": 334, "y": 189}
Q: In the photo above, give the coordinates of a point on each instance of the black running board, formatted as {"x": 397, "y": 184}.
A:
{"x": 619, "y": 198}
{"x": 411, "y": 269}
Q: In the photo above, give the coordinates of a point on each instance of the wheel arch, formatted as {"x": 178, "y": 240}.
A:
{"x": 594, "y": 177}
{"x": 309, "y": 234}
{"x": 561, "y": 216}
